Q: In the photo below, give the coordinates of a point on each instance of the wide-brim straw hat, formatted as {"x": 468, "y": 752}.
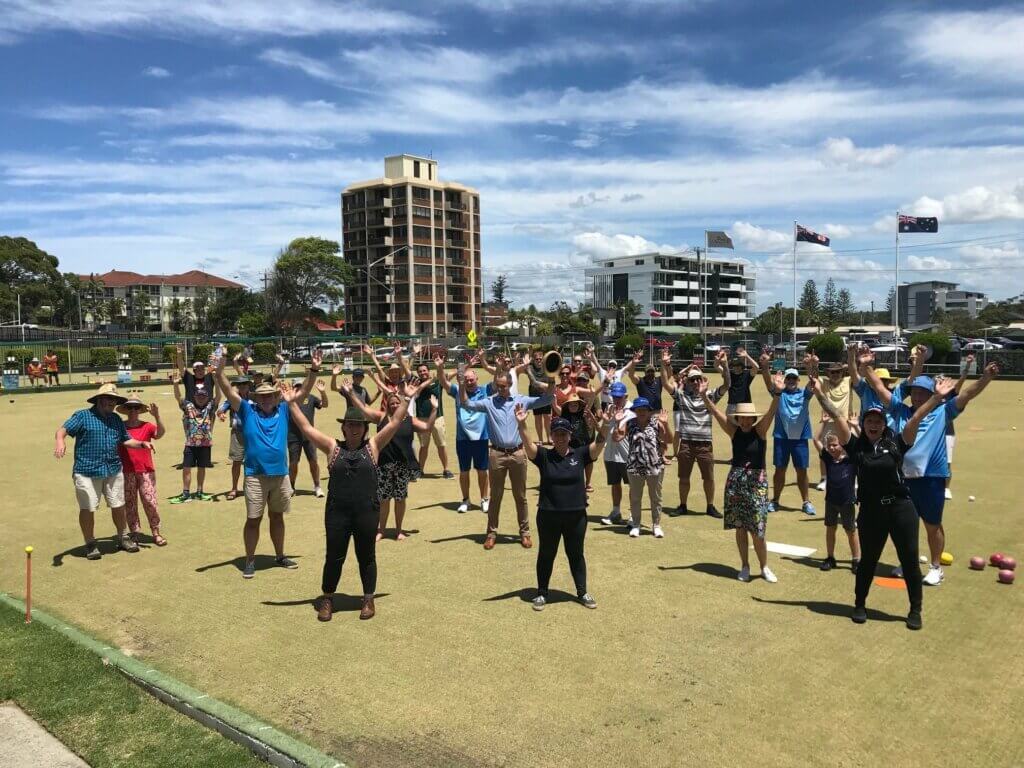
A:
{"x": 107, "y": 390}
{"x": 123, "y": 407}
{"x": 745, "y": 409}
{"x": 573, "y": 398}
{"x": 266, "y": 389}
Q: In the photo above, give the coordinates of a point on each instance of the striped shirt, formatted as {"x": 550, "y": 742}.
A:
{"x": 694, "y": 416}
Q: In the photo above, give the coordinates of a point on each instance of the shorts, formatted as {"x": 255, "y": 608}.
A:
{"x": 845, "y": 512}
{"x": 545, "y": 411}
{"x": 236, "y": 448}
{"x": 784, "y": 448}
{"x": 393, "y": 480}
{"x": 89, "y": 489}
{"x": 950, "y": 442}
{"x": 267, "y": 492}
{"x": 437, "y": 433}
{"x": 616, "y": 471}
{"x": 929, "y": 497}
{"x": 298, "y": 447}
{"x": 197, "y": 456}
{"x": 472, "y": 453}
{"x": 699, "y": 451}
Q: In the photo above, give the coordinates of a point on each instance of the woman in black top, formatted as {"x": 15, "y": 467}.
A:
{"x": 353, "y": 500}
{"x": 562, "y": 509}
{"x": 740, "y": 378}
{"x": 746, "y": 488}
{"x": 886, "y": 510}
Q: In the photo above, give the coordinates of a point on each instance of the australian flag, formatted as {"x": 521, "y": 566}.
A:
{"x": 918, "y": 223}
{"x": 810, "y": 236}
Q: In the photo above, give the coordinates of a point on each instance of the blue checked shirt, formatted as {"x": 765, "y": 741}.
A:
{"x": 96, "y": 441}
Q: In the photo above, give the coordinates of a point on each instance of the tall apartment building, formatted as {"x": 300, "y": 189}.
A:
{"x": 919, "y": 301}
{"x": 414, "y": 244}
{"x": 671, "y": 285}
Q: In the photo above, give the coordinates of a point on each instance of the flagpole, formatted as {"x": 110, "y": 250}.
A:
{"x": 794, "y": 294}
{"x": 896, "y": 297}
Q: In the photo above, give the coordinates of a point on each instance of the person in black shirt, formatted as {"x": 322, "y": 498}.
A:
{"x": 746, "y": 488}
{"x": 840, "y": 501}
{"x": 742, "y": 371}
{"x": 562, "y": 509}
{"x": 886, "y": 510}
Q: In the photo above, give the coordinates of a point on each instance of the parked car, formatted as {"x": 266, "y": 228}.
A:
{"x": 981, "y": 344}
{"x": 1007, "y": 342}
{"x": 300, "y": 353}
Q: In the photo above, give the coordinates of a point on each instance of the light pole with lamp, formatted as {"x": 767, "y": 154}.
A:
{"x": 388, "y": 260}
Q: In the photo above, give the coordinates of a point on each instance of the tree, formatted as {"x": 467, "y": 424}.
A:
{"x": 307, "y": 273}
{"x": 1001, "y": 314}
{"x": 844, "y": 305}
{"x": 810, "y": 302}
{"x": 201, "y": 309}
{"x": 138, "y": 310}
{"x": 498, "y": 288}
{"x": 29, "y": 273}
{"x": 176, "y": 315}
{"x": 962, "y": 324}
{"x": 625, "y": 313}
{"x": 890, "y": 302}
{"x": 112, "y": 311}
{"x": 770, "y": 323}
{"x": 829, "y": 305}
{"x": 225, "y": 312}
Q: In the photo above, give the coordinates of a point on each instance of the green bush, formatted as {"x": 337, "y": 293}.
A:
{"x": 264, "y": 351}
{"x": 201, "y": 352}
{"x": 167, "y": 354}
{"x": 234, "y": 349}
{"x": 21, "y": 354}
{"x": 377, "y": 341}
{"x": 100, "y": 357}
{"x": 827, "y": 346}
{"x": 687, "y": 344}
{"x": 138, "y": 354}
{"x": 628, "y": 343}
{"x": 938, "y": 341}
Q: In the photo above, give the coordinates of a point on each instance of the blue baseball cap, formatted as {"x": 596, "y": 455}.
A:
{"x": 560, "y": 424}
{"x": 618, "y": 389}
{"x": 642, "y": 402}
{"x": 924, "y": 382}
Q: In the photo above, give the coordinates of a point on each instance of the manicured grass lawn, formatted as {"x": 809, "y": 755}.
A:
{"x": 95, "y": 711}
{"x": 680, "y": 664}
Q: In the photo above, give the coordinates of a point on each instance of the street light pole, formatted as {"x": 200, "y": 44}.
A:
{"x": 391, "y": 296}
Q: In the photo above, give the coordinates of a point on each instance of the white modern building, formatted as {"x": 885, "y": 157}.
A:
{"x": 715, "y": 294}
{"x": 919, "y": 301}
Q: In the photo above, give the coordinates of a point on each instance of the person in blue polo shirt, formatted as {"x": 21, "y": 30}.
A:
{"x": 792, "y": 429}
{"x": 926, "y": 464}
{"x": 470, "y": 436}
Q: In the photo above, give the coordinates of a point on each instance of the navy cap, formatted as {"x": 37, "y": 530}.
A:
{"x": 560, "y": 424}
{"x": 358, "y": 372}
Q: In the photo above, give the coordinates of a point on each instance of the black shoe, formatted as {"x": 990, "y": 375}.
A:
{"x": 914, "y": 620}
{"x": 678, "y": 511}
{"x": 860, "y": 614}
{"x": 447, "y": 475}
{"x": 712, "y": 512}
{"x": 827, "y": 564}
{"x": 853, "y": 565}
{"x": 92, "y": 550}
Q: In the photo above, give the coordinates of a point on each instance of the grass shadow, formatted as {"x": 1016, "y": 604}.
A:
{"x": 451, "y": 506}
{"x": 826, "y": 608}
{"x": 106, "y": 547}
{"x": 710, "y": 569}
{"x": 342, "y": 602}
{"x": 478, "y": 538}
{"x": 620, "y": 528}
{"x": 263, "y": 563}
{"x": 392, "y": 533}
{"x": 526, "y": 594}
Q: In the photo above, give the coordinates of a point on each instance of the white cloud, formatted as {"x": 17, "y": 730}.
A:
{"x": 927, "y": 262}
{"x": 975, "y": 44}
{"x": 754, "y": 238}
{"x": 587, "y": 140}
{"x": 1005, "y": 255}
{"x": 596, "y": 245}
{"x": 157, "y": 72}
{"x": 838, "y": 231}
{"x": 842, "y": 151}
{"x": 979, "y": 203}
{"x": 296, "y": 18}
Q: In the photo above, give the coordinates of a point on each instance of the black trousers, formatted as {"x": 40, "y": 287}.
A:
{"x": 878, "y": 522}
{"x": 553, "y": 527}
{"x": 363, "y": 528}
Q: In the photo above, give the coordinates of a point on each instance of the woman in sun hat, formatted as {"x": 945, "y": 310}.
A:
{"x": 98, "y": 433}
{"x": 746, "y": 488}
{"x": 139, "y": 472}
{"x": 353, "y": 496}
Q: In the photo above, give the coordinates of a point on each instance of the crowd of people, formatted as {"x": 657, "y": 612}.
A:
{"x": 889, "y": 458}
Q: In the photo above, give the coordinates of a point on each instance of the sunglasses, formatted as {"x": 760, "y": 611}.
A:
{"x": 133, "y": 407}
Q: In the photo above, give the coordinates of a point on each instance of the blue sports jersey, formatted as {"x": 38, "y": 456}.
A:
{"x": 869, "y": 399}
{"x": 927, "y": 456}
{"x": 793, "y": 420}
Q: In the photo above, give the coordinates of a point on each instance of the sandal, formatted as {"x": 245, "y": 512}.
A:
{"x": 590, "y": 489}
{"x": 231, "y": 495}
{"x": 159, "y": 540}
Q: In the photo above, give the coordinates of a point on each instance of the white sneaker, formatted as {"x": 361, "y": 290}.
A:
{"x": 463, "y": 507}
{"x": 634, "y": 533}
{"x": 949, "y": 495}
{"x": 485, "y": 504}
{"x": 318, "y": 493}
{"x": 658, "y": 533}
{"x": 934, "y": 576}
{"x": 744, "y": 574}
{"x": 767, "y": 575}
{"x": 820, "y": 486}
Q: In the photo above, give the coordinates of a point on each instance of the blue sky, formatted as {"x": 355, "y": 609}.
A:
{"x": 159, "y": 136}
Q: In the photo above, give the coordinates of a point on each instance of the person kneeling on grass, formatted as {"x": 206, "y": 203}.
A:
{"x": 98, "y": 433}
{"x": 139, "y": 472}
{"x": 353, "y": 496}
{"x": 562, "y": 508}
{"x": 887, "y": 507}
{"x": 746, "y": 488}
{"x": 840, "y": 496}
{"x": 197, "y": 419}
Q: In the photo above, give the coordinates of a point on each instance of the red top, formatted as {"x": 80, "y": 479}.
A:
{"x": 138, "y": 459}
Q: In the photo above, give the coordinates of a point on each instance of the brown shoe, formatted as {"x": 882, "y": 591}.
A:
{"x": 526, "y": 541}
{"x": 368, "y": 609}
{"x": 490, "y": 541}
{"x": 326, "y": 609}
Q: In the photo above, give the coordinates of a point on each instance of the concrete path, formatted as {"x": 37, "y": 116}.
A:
{"x": 24, "y": 743}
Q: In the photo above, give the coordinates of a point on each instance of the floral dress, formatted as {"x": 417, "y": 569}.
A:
{"x": 746, "y": 488}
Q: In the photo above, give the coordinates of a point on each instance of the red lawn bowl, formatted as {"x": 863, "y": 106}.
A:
{"x": 1008, "y": 564}
{"x": 977, "y": 563}
{"x": 995, "y": 558}
{"x": 1006, "y": 577}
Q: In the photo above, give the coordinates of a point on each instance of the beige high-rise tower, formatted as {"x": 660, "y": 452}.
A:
{"x": 414, "y": 244}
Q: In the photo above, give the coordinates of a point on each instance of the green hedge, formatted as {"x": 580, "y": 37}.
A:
{"x": 264, "y": 352}
{"x": 234, "y": 349}
{"x": 103, "y": 356}
{"x": 377, "y": 341}
{"x": 200, "y": 352}
{"x": 138, "y": 354}
{"x": 939, "y": 342}
{"x": 168, "y": 353}
{"x": 24, "y": 354}
{"x": 628, "y": 343}
{"x": 827, "y": 346}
